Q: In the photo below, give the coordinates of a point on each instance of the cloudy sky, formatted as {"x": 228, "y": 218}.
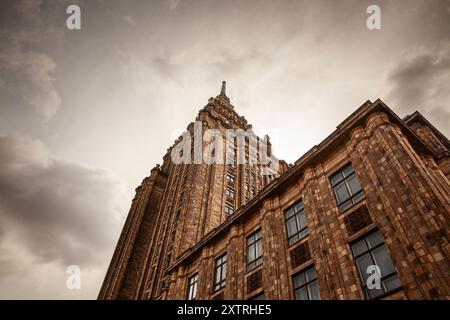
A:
{"x": 85, "y": 114}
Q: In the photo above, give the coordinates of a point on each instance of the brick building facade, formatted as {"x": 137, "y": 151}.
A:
{"x": 375, "y": 192}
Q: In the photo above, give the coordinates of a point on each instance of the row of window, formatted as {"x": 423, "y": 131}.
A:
{"x": 367, "y": 251}
{"x": 229, "y": 192}
{"x": 347, "y": 190}
{"x": 370, "y": 250}
{"x": 177, "y": 217}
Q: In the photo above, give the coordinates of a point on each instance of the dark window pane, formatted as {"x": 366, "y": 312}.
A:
{"x": 314, "y": 291}
{"x": 373, "y": 293}
{"x": 301, "y": 220}
{"x": 383, "y": 260}
{"x": 298, "y": 206}
{"x": 354, "y": 184}
{"x": 359, "y": 247}
{"x": 311, "y": 274}
{"x": 259, "y": 249}
{"x": 291, "y": 227}
{"x": 363, "y": 262}
{"x": 218, "y": 275}
{"x": 347, "y": 204}
{"x": 358, "y": 197}
{"x": 299, "y": 280}
{"x": 336, "y": 179}
{"x": 301, "y": 294}
{"x": 289, "y": 213}
{"x": 348, "y": 170}
{"x": 374, "y": 239}
{"x": 293, "y": 239}
{"x": 224, "y": 271}
{"x": 341, "y": 193}
{"x": 392, "y": 283}
{"x": 251, "y": 254}
{"x": 303, "y": 233}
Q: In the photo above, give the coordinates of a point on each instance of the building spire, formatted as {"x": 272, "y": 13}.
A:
{"x": 222, "y": 91}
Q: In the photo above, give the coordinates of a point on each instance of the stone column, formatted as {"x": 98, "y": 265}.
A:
{"x": 407, "y": 204}
{"x": 275, "y": 273}
{"x": 234, "y": 284}
{"x": 336, "y": 272}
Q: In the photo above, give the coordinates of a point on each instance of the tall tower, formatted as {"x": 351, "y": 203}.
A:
{"x": 179, "y": 203}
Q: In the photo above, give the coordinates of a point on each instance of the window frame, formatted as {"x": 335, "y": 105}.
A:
{"x": 228, "y": 209}
{"x": 229, "y": 192}
{"x": 230, "y": 177}
{"x": 253, "y": 243}
{"x": 299, "y": 230}
{"x": 369, "y": 252}
{"x": 307, "y": 283}
{"x": 219, "y": 265}
{"x": 353, "y": 198}
{"x": 192, "y": 284}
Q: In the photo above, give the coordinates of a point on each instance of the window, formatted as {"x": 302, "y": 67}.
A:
{"x": 229, "y": 209}
{"x": 230, "y": 177}
{"x": 181, "y": 197}
{"x": 178, "y": 215}
{"x": 229, "y": 192}
{"x": 259, "y": 296}
{"x": 231, "y": 154}
{"x": 220, "y": 272}
{"x": 172, "y": 237}
{"x": 192, "y": 287}
{"x": 254, "y": 250}
{"x": 371, "y": 250}
{"x": 296, "y": 225}
{"x": 306, "y": 286}
{"x": 231, "y": 151}
{"x": 347, "y": 188}
{"x": 168, "y": 258}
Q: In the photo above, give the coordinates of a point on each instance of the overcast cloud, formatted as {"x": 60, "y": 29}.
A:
{"x": 85, "y": 115}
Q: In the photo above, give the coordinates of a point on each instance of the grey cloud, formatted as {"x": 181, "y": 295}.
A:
{"x": 56, "y": 211}
{"x": 421, "y": 82}
{"x": 229, "y": 63}
{"x": 27, "y": 80}
{"x": 27, "y": 76}
{"x": 112, "y": 90}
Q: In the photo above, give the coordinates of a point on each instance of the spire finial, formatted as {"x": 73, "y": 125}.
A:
{"x": 222, "y": 91}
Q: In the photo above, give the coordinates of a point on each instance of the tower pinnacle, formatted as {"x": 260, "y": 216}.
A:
{"x": 222, "y": 91}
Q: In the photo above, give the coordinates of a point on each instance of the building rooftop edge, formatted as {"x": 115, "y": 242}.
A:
{"x": 359, "y": 115}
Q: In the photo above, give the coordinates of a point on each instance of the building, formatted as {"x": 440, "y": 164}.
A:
{"x": 374, "y": 194}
